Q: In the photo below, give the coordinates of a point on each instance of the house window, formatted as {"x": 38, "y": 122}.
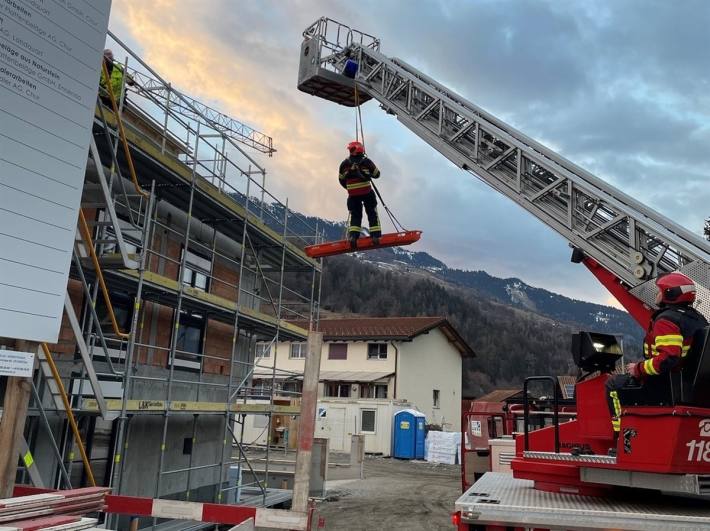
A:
{"x": 337, "y": 390}
{"x": 377, "y": 351}
{"x": 436, "y": 398}
{"x": 338, "y": 351}
{"x": 189, "y": 340}
{"x": 367, "y": 420}
{"x": 373, "y": 390}
{"x": 298, "y": 350}
{"x": 197, "y": 271}
{"x": 263, "y": 350}
{"x": 291, "y": 387}
{"x": 260, "y": 388}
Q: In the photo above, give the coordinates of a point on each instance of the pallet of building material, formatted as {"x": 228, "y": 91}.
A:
{"x": 76, "y": 506}
{"x": 37, "y": 506}
{"x": 51, "y": 498}
{"x": 90, "y": 503}
{"x": 29, "y": 501}
{"x": 52, "y": 523}
{"x": 82, "y": 525}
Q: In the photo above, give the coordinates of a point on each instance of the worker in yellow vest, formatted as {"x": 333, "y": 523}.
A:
{"x": 115, "y": 72}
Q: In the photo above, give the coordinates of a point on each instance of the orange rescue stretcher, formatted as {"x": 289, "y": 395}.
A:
{"x": 394, "y": 239}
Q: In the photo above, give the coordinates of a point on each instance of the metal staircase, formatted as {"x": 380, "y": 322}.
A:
{"x": 626, "y": 237}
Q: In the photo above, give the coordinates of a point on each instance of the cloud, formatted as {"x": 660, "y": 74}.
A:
{"x": 226, "y": 62}
{"x": 623, "y": 95}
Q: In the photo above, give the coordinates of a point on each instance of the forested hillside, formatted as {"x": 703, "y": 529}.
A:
{"x": 509, "y": 342}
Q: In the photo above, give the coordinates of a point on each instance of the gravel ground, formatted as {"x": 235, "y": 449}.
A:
{"x": 395, "y": 494}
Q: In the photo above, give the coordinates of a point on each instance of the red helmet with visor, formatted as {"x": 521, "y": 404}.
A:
{"x": 356, "y": 148}
{"x": 675, "y": 288}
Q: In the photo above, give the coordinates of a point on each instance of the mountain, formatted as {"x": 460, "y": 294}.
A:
{"x": 513, "y": 291}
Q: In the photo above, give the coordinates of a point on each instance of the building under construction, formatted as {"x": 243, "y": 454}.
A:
{"x": 183, "y": 261}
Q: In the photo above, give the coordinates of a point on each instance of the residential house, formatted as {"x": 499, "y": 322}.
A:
{"x": 374, "y": 363}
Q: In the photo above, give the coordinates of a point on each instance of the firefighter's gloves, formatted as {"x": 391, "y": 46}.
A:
{"x": 633, "y": 370}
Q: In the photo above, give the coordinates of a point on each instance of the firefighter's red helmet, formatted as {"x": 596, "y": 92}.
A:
{"x": 356, "y": 148}
{"x": 676, "y": 288}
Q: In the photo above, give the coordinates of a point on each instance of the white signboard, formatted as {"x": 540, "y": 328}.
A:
{"x": 50, "y": 60}
{"x": 16, "y": 363}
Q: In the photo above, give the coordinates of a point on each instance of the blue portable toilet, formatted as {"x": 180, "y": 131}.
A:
{"x": 409, "y": 434}
{"x": 420, "y": 436}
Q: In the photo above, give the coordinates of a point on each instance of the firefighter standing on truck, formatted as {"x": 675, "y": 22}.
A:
{"x": 668, "y": 339}
{"x": 355, "y": 175}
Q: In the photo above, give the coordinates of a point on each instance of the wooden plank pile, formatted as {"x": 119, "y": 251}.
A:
{"x": 57, "y": 511}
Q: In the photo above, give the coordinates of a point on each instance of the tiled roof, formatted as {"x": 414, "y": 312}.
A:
{"x": 387, "y": 329}
{"x": 567, "y": 384}
{"x": 499, "y": 395}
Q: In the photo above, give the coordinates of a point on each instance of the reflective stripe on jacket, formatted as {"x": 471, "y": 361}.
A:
{"x": 669, "y": 338}
{"x": 116, "y": 81}
{"x": 355, "y": 174}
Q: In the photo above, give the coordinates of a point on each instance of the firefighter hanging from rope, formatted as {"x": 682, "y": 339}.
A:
{"x": 355, "y": 175}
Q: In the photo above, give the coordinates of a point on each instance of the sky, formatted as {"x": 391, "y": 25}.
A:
{"x": 620, "y": 87}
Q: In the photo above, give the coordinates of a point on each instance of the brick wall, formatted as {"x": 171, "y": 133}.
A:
{"x": 225, "y": 279}
{"x": 156, "y": 336}
{"x": 218, "y": 343}
{"x": 173, "y": 250}
{"x": 66, "y": 346}
{"x": 218, "y": 340}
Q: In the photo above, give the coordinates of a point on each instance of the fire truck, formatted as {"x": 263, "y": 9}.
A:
{"x": 563, "y": 475}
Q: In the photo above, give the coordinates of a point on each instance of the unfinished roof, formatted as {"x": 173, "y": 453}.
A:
{"x": 388, "y": 329}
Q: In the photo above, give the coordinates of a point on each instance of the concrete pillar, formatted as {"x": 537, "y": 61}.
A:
{"x": 307, "y": 425}
{"x": 357, "y": 454}
{"x": 319, "y": 468}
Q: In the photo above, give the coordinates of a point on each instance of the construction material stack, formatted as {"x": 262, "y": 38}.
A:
{"x": 63, "y": 510}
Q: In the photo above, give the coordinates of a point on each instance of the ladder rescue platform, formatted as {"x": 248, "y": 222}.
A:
{"x": 394, "y": 239}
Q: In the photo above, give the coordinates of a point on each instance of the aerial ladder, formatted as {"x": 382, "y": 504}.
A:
{"x": 623, "y": 242}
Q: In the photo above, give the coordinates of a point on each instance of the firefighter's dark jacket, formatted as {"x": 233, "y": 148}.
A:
{"x": 669, "y": 338}
{"x": 355, "y": 174}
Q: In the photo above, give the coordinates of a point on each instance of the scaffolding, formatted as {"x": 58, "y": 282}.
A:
{"x": 178, "y": 216}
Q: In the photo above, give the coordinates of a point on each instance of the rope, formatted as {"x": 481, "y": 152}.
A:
{"x": 357, "y": 108}
{"x": 358, "y": 118}
{"x": 397, "y": 225}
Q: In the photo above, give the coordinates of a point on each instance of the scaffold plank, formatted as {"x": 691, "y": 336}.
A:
{"x": 51, "y": 510}
{"x": 182, "y": 171}
{"x": 187, "y": 406}
{"x": 265, "y": 408}
{"x": 215, "y": 300}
